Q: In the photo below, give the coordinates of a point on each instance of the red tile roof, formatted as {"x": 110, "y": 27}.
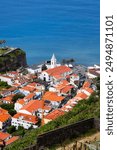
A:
{"x": 52, "y": 96}
{"x": 12, "y": 139}
{"x": 58, "y": 71}
{"x": 3, "y": 111}
{"x": 86, "y": 84}
{"x": 54, "y": 114}
{"x": 4, "y": 117}
{"x": 27, "y": 88}
{"x": 33, "y": 105}
{"x": 21, "y": 101}
{"x": 8, "y": 98}
{"x": 66, "y": 89}
{"x": 89, "y": 90}
{"x": 4, "y": 136}
{"x": 81, "y": 95}
{"x": 31, "y": 95}
{"x": 28, "y": 118}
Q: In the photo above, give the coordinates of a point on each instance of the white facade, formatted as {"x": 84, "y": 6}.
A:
{"x": 33, "y": 71}
{"x": 21, "y": 122}
{"x": 45, "y": 76}
{"x": 53, "y": 61}
{"x": 26, "y": 112}
{"x": 86, "y": 92}
{"x": 91, "y": 75}
{"x": 9, "y": 80}
{"x": 25, "y": 92}
{"x": 18, "y": 106}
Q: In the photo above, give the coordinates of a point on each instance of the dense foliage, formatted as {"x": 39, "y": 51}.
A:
{"x": 83, "y": 110}
{"x": 17, "y": 96}
{"x": 4, "y": 85}
{"x": 10, "y": 108}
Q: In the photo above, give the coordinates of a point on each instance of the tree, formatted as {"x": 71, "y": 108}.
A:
{"x": 9, "y": 108}
{"x": 17, "y": 96}
{"x": 44, "y": 67}
{"x": 12, "y": 112}
{"x": 4, "y": 84}
{"x": 11, "y": 129}
{"x": 0, "y": 96}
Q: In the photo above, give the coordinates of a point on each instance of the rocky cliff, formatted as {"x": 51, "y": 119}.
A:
{"x": 11, "y": 59}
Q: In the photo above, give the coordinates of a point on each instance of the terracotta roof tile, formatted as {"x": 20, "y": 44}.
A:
{"x": 54, "y": 114}
{"x": 8, "y": 98}
{"x": 4, "y": 117}
{"x": 3, "y": 111}
{"x": 58, "y": 71}
{"x": 31, "y": 95}
{"x": 21, "y": 101}
{"x": 89, "y": 90}
{"x": 33, "y": 105}
{"x": 11, "y": 140}
{"x": 27, "y": 88}
{"x": 52, "y": 96}
{"x": 4, "y": 136}
{"x": 86, "y": 84}
{"x": 66, "y": 89}
{"x": 28, "y": 118}
{"x": 81, "y": 95}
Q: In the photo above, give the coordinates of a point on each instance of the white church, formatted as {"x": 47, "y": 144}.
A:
{"x": 49, "y": 64}
{"x": 53, "y": 63}
{"x": 55, "y": 72}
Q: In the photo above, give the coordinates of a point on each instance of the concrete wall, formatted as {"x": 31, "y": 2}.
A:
{"x": 59, "y": 135}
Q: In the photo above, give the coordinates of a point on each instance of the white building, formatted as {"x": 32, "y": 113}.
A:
{"x": 19, "y": 104}
{"x": 7, "y": 79}
{"x": 55, "y": 74}
{"x": 24, "y": 120}
{"x": 93, "y": 71}
{"x": 5, "y": 118}
{"x": 34, "y": 69}
{"x": 52, "y": 63}
{"x": 88, "y": 91}
{"x": 34, "y": 107}
{"x": 54, "y": 99}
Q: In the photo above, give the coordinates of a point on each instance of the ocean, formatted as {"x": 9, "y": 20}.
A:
{"x": 67, "y": 28}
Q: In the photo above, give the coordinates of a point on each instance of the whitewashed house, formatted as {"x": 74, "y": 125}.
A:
{"x": 24, "y": 120}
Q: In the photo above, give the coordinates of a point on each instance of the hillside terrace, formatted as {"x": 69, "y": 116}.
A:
{"x": 53, "y": 97}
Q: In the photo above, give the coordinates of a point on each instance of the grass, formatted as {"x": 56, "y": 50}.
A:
{"x": 83, "y": 110}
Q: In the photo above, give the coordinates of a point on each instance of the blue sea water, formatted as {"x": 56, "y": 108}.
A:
{"x": 68, "y": 28}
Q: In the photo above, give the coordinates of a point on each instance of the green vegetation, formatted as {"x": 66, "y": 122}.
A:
{"x": 83, "y": 110}
{"x": 0, "y": 96}
{"x": 19, "y": 132}
{"x": 4, "y": 85}
{"x": 12, "y": 60}
{"x": 9, "y": 107}
{"x": 2, "y": 51}
{"x": 17, "y": 96}
{"x": 11, "y": 129}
